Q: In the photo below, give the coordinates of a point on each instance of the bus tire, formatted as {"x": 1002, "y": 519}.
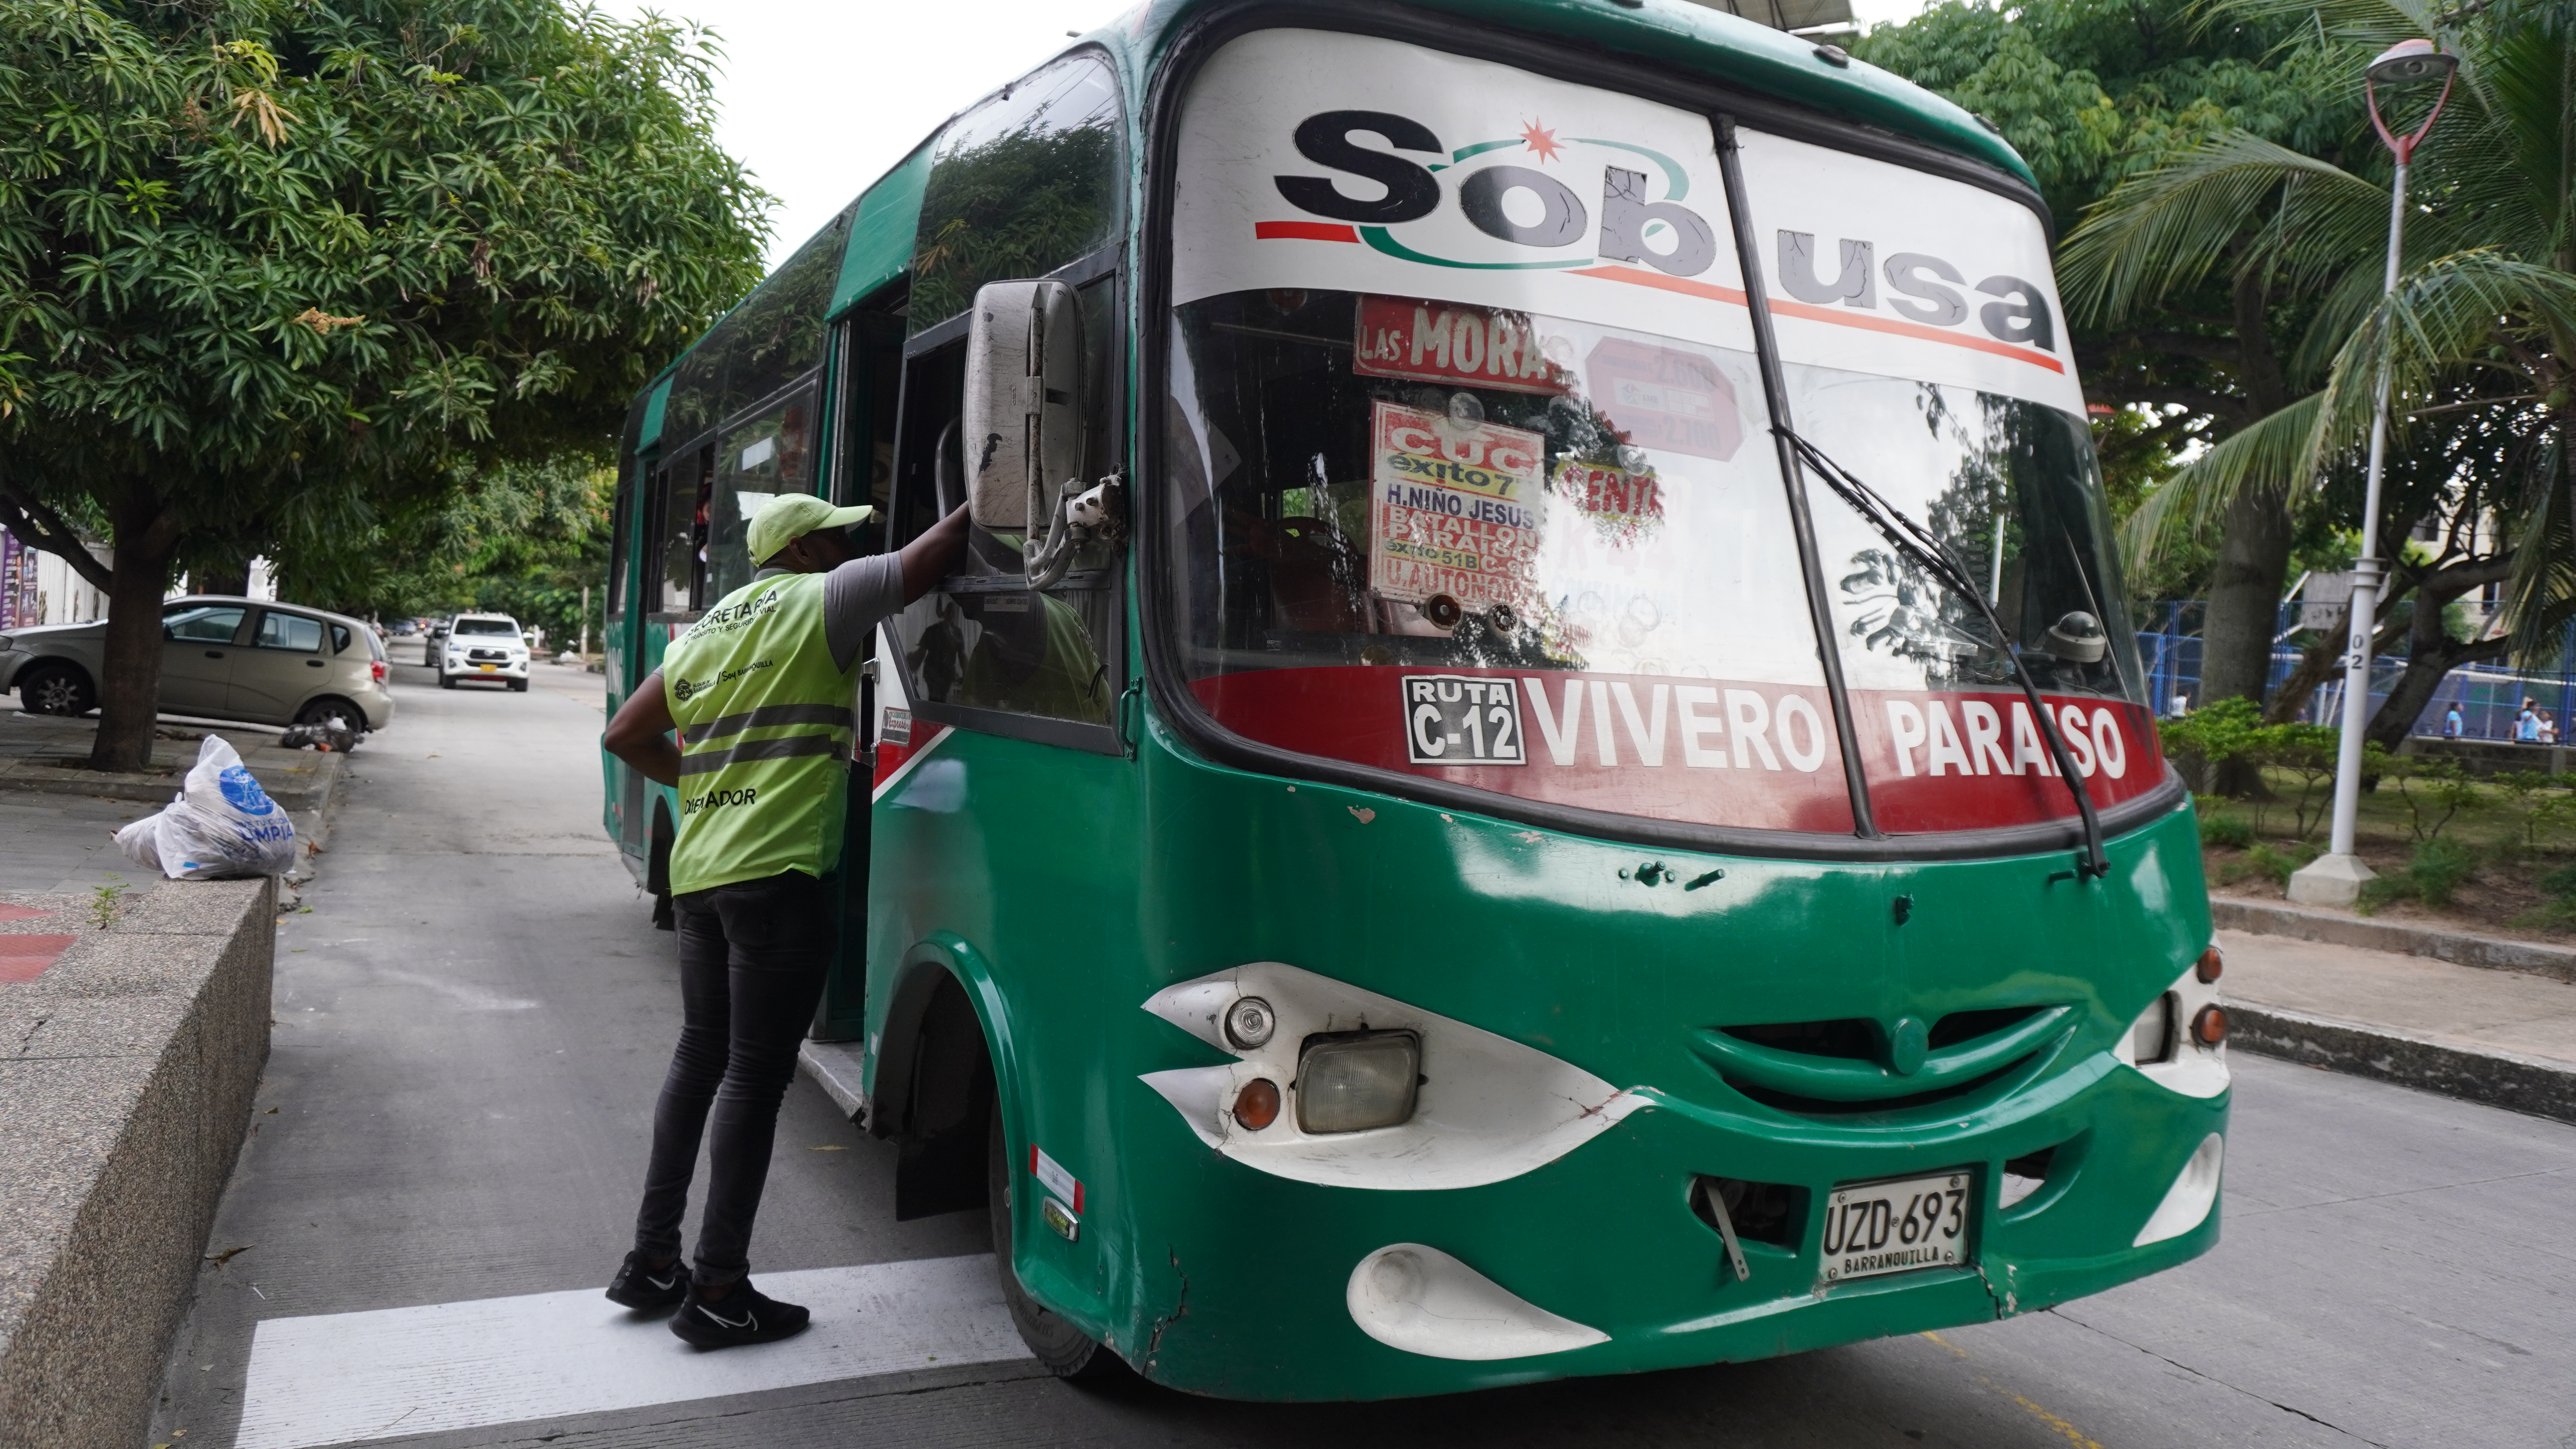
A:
{"x": 1067, "y": 1351}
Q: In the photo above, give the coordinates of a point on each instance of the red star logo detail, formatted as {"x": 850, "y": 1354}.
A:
{"x": 1541, "y": 141}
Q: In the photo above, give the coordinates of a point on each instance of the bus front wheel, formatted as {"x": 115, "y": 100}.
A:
{"x": 1067, "y": 1351}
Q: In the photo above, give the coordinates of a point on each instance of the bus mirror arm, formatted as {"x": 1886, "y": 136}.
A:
{"x": 1929, "y": 550}
{"x": 1078, "y": 516}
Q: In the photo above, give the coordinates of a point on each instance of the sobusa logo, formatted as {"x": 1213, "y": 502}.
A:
{"x": 1529, "y": 207}
{"x": 1685, "y": 244}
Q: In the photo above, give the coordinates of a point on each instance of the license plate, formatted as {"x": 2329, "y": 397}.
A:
{"x": 487, "y": 668}
{"x": 1896, "y": 1227}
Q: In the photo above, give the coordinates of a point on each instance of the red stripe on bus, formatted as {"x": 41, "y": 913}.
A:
{"x": 1305, "y": 231}
{"x": 1662, "y": 283}
{"x": 1812, "y": 313}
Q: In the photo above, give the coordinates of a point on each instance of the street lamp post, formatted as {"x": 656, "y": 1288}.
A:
{"x": 2335, "y": 878}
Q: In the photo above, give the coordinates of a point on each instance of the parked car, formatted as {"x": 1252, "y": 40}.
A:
{"x": 483, "y": 646}
{"x": 222, "y": 657}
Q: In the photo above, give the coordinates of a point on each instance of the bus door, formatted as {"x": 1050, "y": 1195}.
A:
{"x": 675, "y": 585}
{"x": 618, "y": 650}
{"x": 868, "y": 381}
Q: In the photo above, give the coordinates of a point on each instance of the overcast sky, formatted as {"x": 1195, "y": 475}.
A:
{"x": 819, "y": 99}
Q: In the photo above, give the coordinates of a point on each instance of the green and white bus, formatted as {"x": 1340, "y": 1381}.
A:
{"x": 1538, "y": 766}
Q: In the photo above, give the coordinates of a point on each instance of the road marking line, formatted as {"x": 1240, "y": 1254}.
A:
{"x": 348, "y": 1377}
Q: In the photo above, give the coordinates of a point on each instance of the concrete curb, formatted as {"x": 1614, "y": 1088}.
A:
{"x": 131, "y": 1064}
{"x": 2496, "y": 1079}
{"x": 2263, "y": 918}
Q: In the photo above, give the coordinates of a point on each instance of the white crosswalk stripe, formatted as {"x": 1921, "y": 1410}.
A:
{"x": 345, "y": 1378}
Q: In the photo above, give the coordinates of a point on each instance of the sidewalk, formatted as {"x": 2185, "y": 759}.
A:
{"x": 57, "y": 814}
{"x": 45, "y": 754}
{"x": 2502, "y": 1037}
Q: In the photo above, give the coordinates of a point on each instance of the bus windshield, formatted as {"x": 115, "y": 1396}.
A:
{"x": 1568, "y": 540}
{"x": 1469, "y": 476}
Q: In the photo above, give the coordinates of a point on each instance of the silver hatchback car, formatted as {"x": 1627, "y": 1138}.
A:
{"x": 221, "y": 658}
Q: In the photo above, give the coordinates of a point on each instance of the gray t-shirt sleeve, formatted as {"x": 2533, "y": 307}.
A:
{"x": 857, "y": 597}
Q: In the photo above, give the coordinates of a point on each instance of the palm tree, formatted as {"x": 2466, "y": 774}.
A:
{"x": 2475, "y": 342}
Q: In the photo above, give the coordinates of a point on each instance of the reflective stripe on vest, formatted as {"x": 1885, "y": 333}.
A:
{"x": 766, "y": 725}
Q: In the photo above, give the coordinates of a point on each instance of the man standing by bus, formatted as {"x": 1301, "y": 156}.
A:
{"x": 763, "y": 687}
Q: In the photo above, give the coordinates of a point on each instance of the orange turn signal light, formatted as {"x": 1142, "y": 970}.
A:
{"x": 2209, "y": 1027}
{"x": 1257, "y": 1105}
{"x": 2209, "y": 965}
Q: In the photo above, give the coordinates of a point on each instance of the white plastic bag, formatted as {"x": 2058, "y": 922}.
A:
{"x": 222, "y": 825}
{"x": 141, "y": 841}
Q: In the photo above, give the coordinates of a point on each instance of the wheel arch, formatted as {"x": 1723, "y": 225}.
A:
{"x": 947, "y": 1022}
{"x": 42, "y": 662}
{"x": 357, "y": 711}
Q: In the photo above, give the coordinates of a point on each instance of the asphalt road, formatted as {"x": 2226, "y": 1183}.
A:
{"x": 474, "y": 1013}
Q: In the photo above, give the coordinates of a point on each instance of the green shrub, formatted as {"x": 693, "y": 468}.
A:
{"x": 2218, "y": 828}
{"x": 2438, "y": 868}
{"x": 2434, "y": 791}
{"x": 2433, "y": 875}
{"x": 2539, "y": 800}
{"x": 2557, "y": 908}
{"x": 2279, "y": 864}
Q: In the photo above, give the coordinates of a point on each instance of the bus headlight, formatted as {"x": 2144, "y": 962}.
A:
{"x": 1390, "y": 1096}
{"x": 1351, "y": 1081}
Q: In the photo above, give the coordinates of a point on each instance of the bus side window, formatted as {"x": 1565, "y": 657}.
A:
{"x": 682, "y": 540}
{"x": 983, "y": 642}
{"x": 613, "y": 606}
{"x": 871, "y": 389}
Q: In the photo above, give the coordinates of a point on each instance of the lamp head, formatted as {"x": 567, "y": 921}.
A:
{"x": 2412, "y": 62}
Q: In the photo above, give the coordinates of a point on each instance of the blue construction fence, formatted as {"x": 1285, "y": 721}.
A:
{"x": 2489, "y": 696}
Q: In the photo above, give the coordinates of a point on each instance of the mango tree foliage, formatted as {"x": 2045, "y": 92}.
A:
{"x": 271, "y": 270}
{"x": 524, "y": 539}
{"x": 2094, "y": 93}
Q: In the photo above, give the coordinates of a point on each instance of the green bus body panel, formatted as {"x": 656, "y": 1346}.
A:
{"x": 1064, "y": 888}
{"x": 650, "y": 435}
{"x": 880, "y": 246}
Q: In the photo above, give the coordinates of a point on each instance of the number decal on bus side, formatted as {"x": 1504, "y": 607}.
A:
{"x": 1461, "y": 719}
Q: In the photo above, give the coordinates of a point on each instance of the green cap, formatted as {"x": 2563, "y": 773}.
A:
{"x": 790, "y": 516}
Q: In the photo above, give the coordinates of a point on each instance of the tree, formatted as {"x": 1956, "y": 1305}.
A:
{"x": 519, "y": 538}
{"x": 2473, "y": 344}
{"x": 2093, "y": 93}
{"x": 272, "y": 270}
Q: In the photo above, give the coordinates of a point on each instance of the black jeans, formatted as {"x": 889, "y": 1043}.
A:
{"x": 752, "y": 961}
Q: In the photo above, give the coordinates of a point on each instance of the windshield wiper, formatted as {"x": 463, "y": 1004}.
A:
{"x": 1928, "y": 550}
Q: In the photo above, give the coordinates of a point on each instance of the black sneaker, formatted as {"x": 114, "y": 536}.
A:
{"x": 640, "y": 1285}
{"x": 745, "y": 1315}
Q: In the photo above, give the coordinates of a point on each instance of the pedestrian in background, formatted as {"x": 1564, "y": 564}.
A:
{"x": 2451, "y": 721}
{"x": 764, "y": 688}
{"x": 2526, "y": 725}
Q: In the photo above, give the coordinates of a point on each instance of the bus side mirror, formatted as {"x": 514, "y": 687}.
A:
{"x": 1023, "y": 414}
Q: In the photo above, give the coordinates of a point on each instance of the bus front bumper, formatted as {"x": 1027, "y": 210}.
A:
{"x": 1600, "y": 1262}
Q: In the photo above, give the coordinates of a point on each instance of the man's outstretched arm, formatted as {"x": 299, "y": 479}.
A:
{"x": 934, "y": 555}
{"x": 641, "y": 733}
